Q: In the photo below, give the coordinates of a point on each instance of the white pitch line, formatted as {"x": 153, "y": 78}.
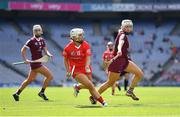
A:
{"x": 98, "y": 116}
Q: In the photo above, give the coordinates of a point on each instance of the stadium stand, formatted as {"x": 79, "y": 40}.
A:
{"x": 148, "y": 45}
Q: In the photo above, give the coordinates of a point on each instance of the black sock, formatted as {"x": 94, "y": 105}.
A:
{"x": 18, "y": 92}
{"x": 125, "y": 84}
{"x": 42, "y": 90}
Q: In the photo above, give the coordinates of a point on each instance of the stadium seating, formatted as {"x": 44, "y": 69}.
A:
{"x": 147, "y": 44}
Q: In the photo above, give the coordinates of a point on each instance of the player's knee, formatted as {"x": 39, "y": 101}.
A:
{"x": 140, "y": 74}
{"x": 49, "y": 77}
{"x": 29, "y": 81}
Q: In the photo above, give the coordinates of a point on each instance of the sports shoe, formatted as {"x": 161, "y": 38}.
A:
{"x": 132, "y": 95}
{"x": 92, "y": 100}
{"x": 42, "y": 95}
{"x": 76, "y": 90}
{"x": 104, "y": 104}
{"x": 16, "y": 97}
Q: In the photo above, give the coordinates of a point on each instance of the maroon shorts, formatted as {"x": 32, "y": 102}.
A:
{"x": 118, "y": 65}
{"x": 35, "y": 65}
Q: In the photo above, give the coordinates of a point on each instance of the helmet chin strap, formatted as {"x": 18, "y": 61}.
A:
{"x": 37, "y": 36}
{"x": 111, "y": 49}
{"x": 127, "y": 33}
{"x": 79, "y": 42}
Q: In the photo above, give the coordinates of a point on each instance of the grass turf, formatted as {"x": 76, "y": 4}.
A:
{"x": 154, "y": 101}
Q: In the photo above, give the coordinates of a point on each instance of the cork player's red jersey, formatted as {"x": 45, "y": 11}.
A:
{"x": 77, "y": 55}
{"x": 107, "y": 55}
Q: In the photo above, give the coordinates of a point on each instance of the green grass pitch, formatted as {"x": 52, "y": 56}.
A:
{"x": 154, "y": 101}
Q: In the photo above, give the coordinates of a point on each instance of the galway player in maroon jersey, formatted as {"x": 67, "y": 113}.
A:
{"x": 36, "y": 45}
{"x": 121, "y": 63}
{"x": 78, "y": 53}
{"x": 107, "y": 56}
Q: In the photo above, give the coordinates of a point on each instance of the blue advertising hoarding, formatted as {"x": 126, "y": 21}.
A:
{"x": 129, "y": 7}
{"x": 107, "y": 7}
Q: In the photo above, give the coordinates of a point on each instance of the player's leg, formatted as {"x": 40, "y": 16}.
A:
{"x": 83, "y": 79}
{"x": 113, "y": 88}
{"x": 48, "y": 77}
{"x": 112, "y": 78}
{"x": 81, "y": 86}
{"x": 31, "y": 76}
{"x": 126, "y": 82}
{"x": 118, "y": 86}
{"x": 138, "y": 74}
{"x": 78, "y": 87}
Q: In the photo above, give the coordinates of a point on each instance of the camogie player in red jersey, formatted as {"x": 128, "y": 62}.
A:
{"x": 77, "y": 56}
{"x": 36, "y": 45}
{"x": 107, "y": 56}
{"x": 121, "y": 63}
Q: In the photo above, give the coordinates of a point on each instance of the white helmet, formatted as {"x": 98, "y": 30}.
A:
{"x": 37, "y": 26}
{"x": 110, "y": 43}
{"x": 126, "y": 22}
{"x": 75, "y": 32}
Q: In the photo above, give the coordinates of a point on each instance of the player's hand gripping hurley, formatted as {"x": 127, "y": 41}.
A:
{"x": 44, "y": 59}
{"x": 118, "y": 55}
{"x": 70, "y": 74}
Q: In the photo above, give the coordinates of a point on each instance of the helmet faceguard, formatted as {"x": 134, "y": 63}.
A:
{"x": 77, "y": 35}
{"x": 110, "y": 45}
{"x": 37, "y": 30}
{"x": 127, "y": 25}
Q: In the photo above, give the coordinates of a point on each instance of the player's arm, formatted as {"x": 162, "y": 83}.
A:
{"x": 66, "y": 64}
{"x": 66, "y": 61}
{"x": 23, "y": 53}
{"x": 104, "y": 62}
{"x": 47, "y": 52}
{"x": 120, "y": 45}
{"x": 88, "y": 59}
{"x": 88, "y": 62}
